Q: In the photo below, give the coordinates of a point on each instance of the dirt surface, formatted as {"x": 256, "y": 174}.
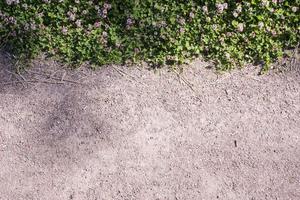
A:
{"x": 130, "y": 133}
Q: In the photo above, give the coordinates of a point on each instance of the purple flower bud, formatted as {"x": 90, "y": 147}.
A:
{"x": 220, "y": 8}
{"x": 274, "y": 33}
{"x": 33, "y": 26}
{"x": 97, "y": 24}
{"x": 181, "y": 30}
{"x": 240, "y": 27}
{"x": 107, "y": 6}
{"x": 228, "y": 34}
{"x": 205, "y": 9}
{"x": 104, "y": 34}
{"x": 64, "y": 30}
{"x": 260, "y": 25}
{"x": 192, "y": 15}
{"x": 78, "y": 23}
{"x": 181, "y": 21}
{"x": 129, "y": 22}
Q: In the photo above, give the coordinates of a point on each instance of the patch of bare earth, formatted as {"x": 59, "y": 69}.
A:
{"x": 130, "y": 133}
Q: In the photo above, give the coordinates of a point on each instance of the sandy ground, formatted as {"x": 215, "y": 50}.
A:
{"x": 130, "y": 133}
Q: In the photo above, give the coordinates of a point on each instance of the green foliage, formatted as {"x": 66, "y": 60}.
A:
{"x": 230, "y": 33}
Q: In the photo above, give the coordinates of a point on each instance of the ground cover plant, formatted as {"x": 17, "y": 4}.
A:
{"x": 229, "y": 33}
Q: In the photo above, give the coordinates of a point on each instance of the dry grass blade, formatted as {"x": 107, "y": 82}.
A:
{"x": 53, "y": 77}
{"x": 189, "y": 84}
{"x": 123, "y": 73}
{"x": 29, "y": 81}
{"x": 22, "y": 80}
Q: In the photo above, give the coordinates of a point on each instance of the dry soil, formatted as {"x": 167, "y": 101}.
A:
{"x": 133, "y": 133}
